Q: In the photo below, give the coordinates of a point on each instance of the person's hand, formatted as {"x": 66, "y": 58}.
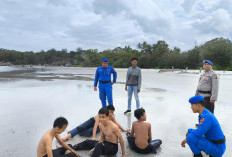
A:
{"x": 77, "y": 154}
{"x": 212, "y": 101}
{"x": 95, "y": 88}
{"x": 126, "y": 88}
{"x": 127, "y": 130}
{"x": 138, "y": 90}
{"x": 112, "y": 83}
{"x": 183, "y": 142}
{"x": 187, "y": 133}
{"x": 123, "y": 155}
{"x": 94, "y": 138}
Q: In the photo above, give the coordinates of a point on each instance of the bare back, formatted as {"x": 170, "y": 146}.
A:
{"x": 109, "y": 132}
{"x": 44, "y": 142}
{"x": 141, "y": 130}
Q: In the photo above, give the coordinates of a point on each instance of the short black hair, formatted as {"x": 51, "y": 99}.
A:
{"x": 110, "y": 107}
{"x": 60, "y": 122}
{"x": 134, "y": 58}
{"x": 139, "y": 113}
{"x": 202, "y": 103}
{"x": 104, "y": 110}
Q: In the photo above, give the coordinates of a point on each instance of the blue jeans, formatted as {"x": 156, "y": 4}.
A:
{"x": 150, "y": 148}
{"x": 198, "y": 144}
{"x": 130, "y": 90}
{"x": 85, "y": 129}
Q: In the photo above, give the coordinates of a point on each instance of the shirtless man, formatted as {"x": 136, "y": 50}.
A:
{"x": 45, "y": 145}
{"x": 140, "y": 139}
{"x": 90, "y": 127}
{"x": 108, "y": 143}
{"x": 112, "y": 117}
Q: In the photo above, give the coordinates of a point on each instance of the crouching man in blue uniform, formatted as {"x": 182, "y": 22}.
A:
{"x": 208, "y": 137}
{"x": 103, "y": 75}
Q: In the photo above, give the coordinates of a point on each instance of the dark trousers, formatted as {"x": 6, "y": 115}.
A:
{"x": 85, "y": 145}
{"x": 150, "y": 148}
{"x": 85, "y": 129}
{"x": 60, "y": 152}
{"x": 107, "y": 148}
{"x": 209, "y": 105}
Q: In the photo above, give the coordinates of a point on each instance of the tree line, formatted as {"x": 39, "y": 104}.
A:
{"x": 158, "y": 55}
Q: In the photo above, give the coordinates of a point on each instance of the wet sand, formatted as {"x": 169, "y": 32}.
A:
{"x": 31, "y": 98}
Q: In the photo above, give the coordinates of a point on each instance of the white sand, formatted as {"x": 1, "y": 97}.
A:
{"x": 29, "y": 107}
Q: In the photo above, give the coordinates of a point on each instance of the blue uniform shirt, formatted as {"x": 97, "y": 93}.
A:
{"x": 104, "y": 74}
{"x": 208, "y": 127}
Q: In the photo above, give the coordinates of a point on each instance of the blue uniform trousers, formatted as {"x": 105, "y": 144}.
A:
{"x": 105, "y": 90}
{"x": 198, "y": 144}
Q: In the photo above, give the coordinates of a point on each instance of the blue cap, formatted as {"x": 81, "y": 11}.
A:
{"x": 104, "y": 60}
{"x": 208, "y": 61}
{"x": 196, "y": 99}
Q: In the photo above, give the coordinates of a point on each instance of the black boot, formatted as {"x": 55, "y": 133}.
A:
{"x": 127, "y": 111}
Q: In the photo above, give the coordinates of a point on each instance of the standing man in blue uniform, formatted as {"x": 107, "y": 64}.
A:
{"x": 103, "y": 75}
{"x": 208, "y": 137}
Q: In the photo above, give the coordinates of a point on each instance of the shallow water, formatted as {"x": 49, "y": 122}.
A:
{"x": 31, "y": 98}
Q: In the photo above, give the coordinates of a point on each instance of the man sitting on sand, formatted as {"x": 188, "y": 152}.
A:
{"x": 140, "y": 139}
{"x": 45, "y": 145}
{"x": 108, "y": 143}
{"x": 90, "y": 127}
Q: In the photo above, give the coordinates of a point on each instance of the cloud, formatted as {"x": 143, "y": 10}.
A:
{"x": 105, "y": 24}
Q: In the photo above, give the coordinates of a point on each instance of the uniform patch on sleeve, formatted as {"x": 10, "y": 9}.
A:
{"x": 201, "y": 121}
{"x": 215, "y": 76}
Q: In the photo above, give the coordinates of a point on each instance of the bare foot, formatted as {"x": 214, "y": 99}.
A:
{"x": 65, "y": 138}
{"x": 91, "y": 152}
{"x": 67, "y": 152}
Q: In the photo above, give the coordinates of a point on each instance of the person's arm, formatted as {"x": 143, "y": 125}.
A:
{"x": 95, "y": 127}
{"x": 133, "y": 131}
{"x": 205, "y": 124}
{"x": 118, "y": 134}
{"x": 102, "y": 138}
{"x": 215, "y": 86}
{"x": 65, "y": 145}
{"x": 116, "y": 122}
{"x": 149, "y": 133}
{"x": 184, "y": 141}
{"x": 114, "y": 75}
{"x": 96, "y": 79}
{"x": 126, "y": 79}
{"x": 197, "y": 92}
{"x": 139, "y": 80}
{"x": 49, "y": 148}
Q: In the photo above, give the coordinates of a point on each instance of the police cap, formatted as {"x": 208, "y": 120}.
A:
{"x": 196, "y": 99}
{"x": 209, "y": 62}
{"x": 105, "y": 60}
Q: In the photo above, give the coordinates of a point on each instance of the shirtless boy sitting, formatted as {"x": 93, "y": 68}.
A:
{"x": 90, "y": 127}
{"x": 140, "y": 139}
{"x": 45, "y": 145}
{"x": 108, "y": 143}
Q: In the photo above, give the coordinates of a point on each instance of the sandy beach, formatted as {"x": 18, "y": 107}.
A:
{"x": 32, "y": 97}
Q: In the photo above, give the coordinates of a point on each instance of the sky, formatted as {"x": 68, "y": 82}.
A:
{"x": 27, "y": 25}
